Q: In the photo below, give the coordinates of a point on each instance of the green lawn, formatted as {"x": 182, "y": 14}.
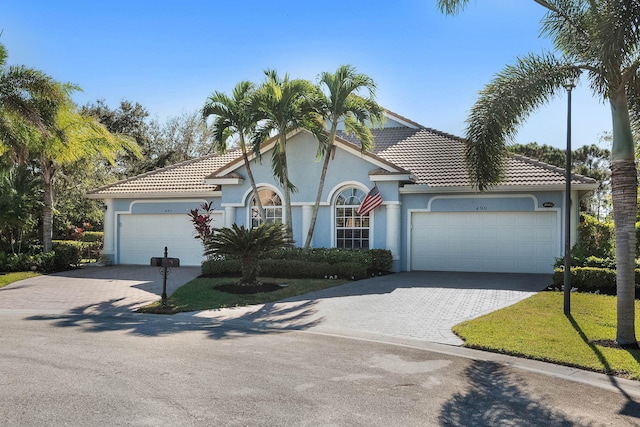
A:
{"x": 199, "y": 294}
{"x": 8, "y": 278}
{"x": 537, "y": 328}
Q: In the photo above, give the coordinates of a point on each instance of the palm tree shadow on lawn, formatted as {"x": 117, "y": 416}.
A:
{"x": 110, "y": 316}
{"x": 631, "y": 408}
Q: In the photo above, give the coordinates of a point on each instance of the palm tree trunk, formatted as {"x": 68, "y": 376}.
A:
{"x": 48, "y": 171}
{"x": 247, "y": 165}
{"x": 316, "y": 205}
{"x": 624, "y": 189}
{"x": 256, "y": 196}
{"x": 287, "y": 190}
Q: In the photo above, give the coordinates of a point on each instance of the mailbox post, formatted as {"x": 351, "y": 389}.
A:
{"x": 165, "y": 263}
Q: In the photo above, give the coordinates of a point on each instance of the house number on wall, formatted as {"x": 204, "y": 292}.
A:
{"x": 168, "y": 210}
{"x": 482, "y": 208}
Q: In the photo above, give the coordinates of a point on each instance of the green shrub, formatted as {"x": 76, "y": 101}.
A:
{"x": 311, "y": 270}
{"x": 67, "y": 254}
{"x": 221, "y": 267}
{"x": 25, "y": 262}
{"x": 375, "y": 261}
{"x": 595, "y": 238}
{"x": 93, "y": 236}
{"x": 591, "y": 279}
{"x": 288, "y": 269}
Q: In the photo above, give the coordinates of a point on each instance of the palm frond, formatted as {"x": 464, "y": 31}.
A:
{"x": 502, "y": 106}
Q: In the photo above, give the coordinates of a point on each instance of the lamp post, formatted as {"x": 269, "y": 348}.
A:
{"x": 569, "y": 85}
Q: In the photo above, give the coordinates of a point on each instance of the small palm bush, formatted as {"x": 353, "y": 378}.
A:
{"x": 248, "y": 245}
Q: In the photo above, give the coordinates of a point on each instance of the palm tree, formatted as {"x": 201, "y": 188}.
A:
{"x": 233, "y": 116}
{"x": 601, "y": 39}
{"x": 77, "y": 136}
{"x": 29, "y": 100}
{"x": 284, "y": 105}
{"x": 340, "y": 102}
{"x": 249, "y": 245}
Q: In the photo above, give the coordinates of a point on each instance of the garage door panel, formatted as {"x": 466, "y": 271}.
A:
{"x": 491, "y": 241}
{"x": 142, "y": 236}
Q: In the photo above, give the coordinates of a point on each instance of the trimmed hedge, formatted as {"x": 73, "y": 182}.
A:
{"x": 93, "y": 236}
{"x": 591, "y": 279}
{"x": 310, "y": 263}
{"x": 288, "y": 269}
{"x": 376, "y": 261}
{"x": 221, "y": 267}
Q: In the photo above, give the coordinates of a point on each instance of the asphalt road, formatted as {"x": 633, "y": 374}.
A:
{"x": 120, "y": 369}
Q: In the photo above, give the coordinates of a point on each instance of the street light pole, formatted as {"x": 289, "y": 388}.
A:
{"x": 569, "y": 85}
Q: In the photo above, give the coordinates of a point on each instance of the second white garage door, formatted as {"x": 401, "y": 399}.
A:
{"x": 141, "y": 237}
{"x": 510, "y": 242}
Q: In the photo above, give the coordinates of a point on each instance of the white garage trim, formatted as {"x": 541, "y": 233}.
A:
{"x": 140, "y": 236}
{"x": 500, "y": 241}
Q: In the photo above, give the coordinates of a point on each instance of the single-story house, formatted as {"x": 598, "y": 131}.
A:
{"x": 430, "y": 218}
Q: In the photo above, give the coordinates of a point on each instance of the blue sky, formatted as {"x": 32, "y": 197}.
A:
{"x": 169, "y": 56}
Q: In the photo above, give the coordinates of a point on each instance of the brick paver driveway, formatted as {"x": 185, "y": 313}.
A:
{"x": 114, "y": 288}
{"x": 414, "y": 305}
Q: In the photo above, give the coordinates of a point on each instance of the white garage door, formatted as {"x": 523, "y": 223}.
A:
{"x": 511, "y": 242}
{"x": 144, "y": 236}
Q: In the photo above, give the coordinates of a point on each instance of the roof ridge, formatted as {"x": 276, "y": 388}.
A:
{"x": 550, "y": 167}
{"x": 403, "y": 118}
{"x": 442, "y": 133}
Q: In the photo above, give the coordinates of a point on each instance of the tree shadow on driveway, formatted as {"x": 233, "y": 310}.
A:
{"x": 435, "y": 279}
{"x": 111, "y": 316}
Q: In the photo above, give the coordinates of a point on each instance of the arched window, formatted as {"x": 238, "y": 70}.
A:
{"x": 352, "y": 230}
{"x": 272, "y": 205}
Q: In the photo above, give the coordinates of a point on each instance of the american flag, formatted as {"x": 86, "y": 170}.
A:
{"x": 370, "y": 202}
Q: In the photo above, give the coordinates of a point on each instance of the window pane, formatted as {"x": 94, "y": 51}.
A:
{"x": 352, "y": 229}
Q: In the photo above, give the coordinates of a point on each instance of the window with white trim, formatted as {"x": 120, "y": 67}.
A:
{"x": 352, "y": 230}
{"x": 272, "y": 205}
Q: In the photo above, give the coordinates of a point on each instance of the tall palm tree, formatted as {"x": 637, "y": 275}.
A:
{"x": 340, "y": 103}
{"x": 233, "y": 116}
{"x": 79, "y": 136}
{"x": 29, "y": 100}
{"x": 284, "y": 105}
{"x": 602, "y": 40}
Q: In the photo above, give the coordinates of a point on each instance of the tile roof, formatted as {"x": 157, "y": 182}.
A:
{"x": 184, "y": 177}
{"x": 436, "y": 159}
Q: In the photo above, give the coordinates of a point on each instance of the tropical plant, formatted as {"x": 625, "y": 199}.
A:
{"x": 77, "y": 136}
{"x": 233, "y": 116}
{"x": 602, "y": 39}
{"x": 283, "y": 105}
{"x": 340, "y": 103}
{"x": 29, "y": 101}
{"x": 20, "y": 205}
{"x": 201, "y": 220}
{"x": 249, "y": 245}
